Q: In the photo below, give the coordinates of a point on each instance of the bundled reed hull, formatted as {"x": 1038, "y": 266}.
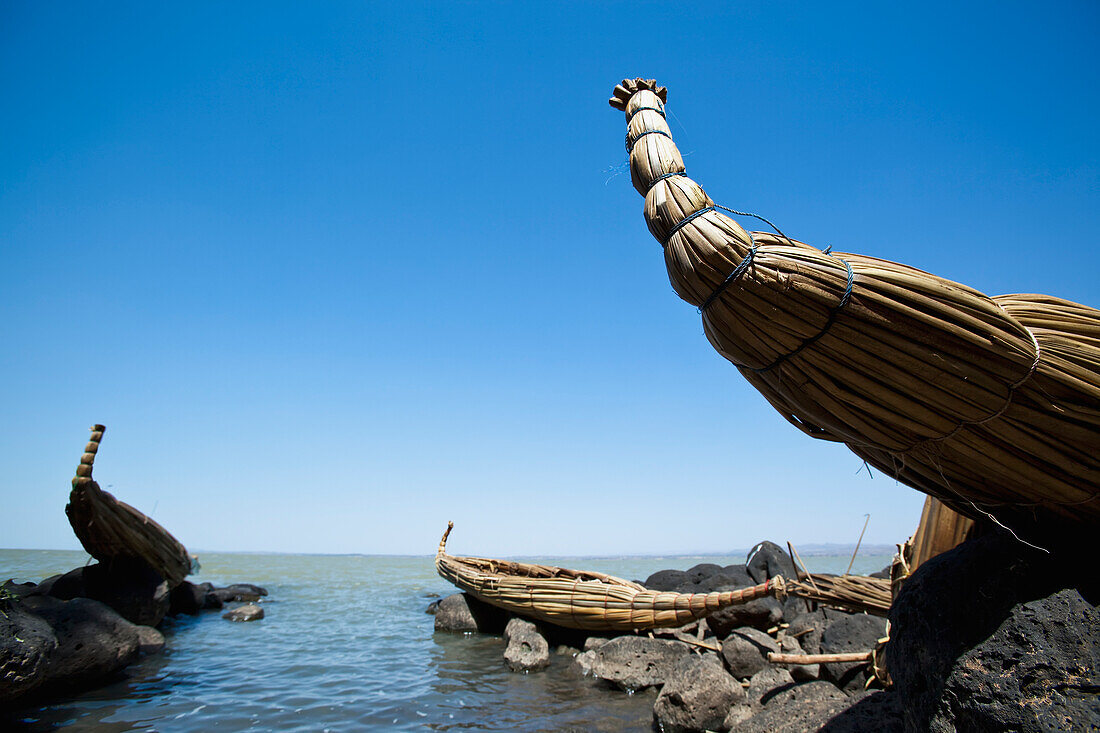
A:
{"x": 990, "y": 404}
{"x": 583, "y": 600}
{"x": 112, "y": 530}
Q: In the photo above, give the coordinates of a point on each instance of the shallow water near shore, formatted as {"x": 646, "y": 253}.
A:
{"x": 345, "y": 645}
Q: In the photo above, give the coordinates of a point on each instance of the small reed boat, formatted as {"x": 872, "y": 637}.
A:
{"x": 111, "y": 530}
{"x": 584, "y": 600}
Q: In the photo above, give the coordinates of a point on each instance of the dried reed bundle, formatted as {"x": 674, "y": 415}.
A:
{"x": 990, "y": 404}
{"x": 110, "y": 529}
{"x": 584, "y": 600}
{"x": 855, "y": 593}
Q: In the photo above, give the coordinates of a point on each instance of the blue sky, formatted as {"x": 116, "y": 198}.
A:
{"x": 335, "y": 273}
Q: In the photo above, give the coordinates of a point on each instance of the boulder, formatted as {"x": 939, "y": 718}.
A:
{"x": 432, "y": 608}
{"x": 247, "y": 612}
{"x": 745, "y": 651}
{"x": 581, "y": 665}
{"x": 994, "y": 635}
{"x": 245, "y": 592}
{"x": 27, "y": 644}
{"x": 150, "y": 641}
{"x": 526, "y": 648}
{"x": 697, "y": 573}
{"x": 878, "y": 711}
{"x": 186, "y": 598}
{"x": 696, "y": 696}
{"x": 808, "y": 627}
{"x": 817, "y": 691}
{"x": 17, "y": 590}
{"x": 800, "y": 672}
{"x": 594, "y": 642}
{"x": 855, "y": 633}
{"x": 768, "y": 560}
{"x": 130, "y": 587}
{"x": 666, "y": 580}
{"x": 462, "y": 612}
{"x": 94, "y": 642}
{"x": 815, "y": 711}
{"x": 66, "y": 587}
{"x": 764, "y": 685}
{"x": 763, "y": 613}
{"x": 636, "y": 662}
{"x": 210, "y": 599}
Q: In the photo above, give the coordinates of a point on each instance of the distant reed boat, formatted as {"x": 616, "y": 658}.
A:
{"x": 991, "y": 404}
{"x": 112, "y": 530}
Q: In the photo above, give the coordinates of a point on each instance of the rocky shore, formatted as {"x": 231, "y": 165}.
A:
{"x": 82, "y": 629}
{"x": 991, "y": 636}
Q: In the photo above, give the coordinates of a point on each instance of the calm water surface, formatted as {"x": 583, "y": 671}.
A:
{"x": 344, "y": 645}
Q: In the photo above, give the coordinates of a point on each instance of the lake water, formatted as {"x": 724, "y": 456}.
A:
{"x": 345, "y": 645}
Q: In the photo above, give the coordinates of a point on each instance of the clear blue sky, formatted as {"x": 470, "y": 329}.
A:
{"x": 335, "y": 273}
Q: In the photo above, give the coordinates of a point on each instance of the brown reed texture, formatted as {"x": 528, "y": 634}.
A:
{"x": 855, "y": 593}
{"x": 110, "y": 529}
{"x": 584, "y": 600}
{"x": 990, "y": 404}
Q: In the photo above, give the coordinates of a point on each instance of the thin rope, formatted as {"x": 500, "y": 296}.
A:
{"x": 844, "y": 298}
{"x": 1008, "y": 400}
{"x": 662, "y": 177}
{"x": 631, "y": 142}
{"x": 658, "y": 110}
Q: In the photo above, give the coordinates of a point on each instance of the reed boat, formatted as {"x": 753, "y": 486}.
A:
{"x": 112, "y": 530}
{"x": 990, "y": 404}
{"x": 585, "y": 600}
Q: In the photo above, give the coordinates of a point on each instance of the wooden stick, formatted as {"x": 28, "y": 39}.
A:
{"x": 783, "y": 658}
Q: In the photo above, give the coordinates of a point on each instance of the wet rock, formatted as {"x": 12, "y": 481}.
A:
{"x": 745, "y": 651}
{"x": 581, "y": 665}
{"x": 27, "y": 644}
{"x": 94, "y": 641}
{"x": 696, "y": 696}
{"x": 247, "y": 612}
{"x": 994, "y": 635}
{"x": 150, "y": 641}
{"x": 526, "y": 648}
{"x": 800, "y": 672}
{"x": 18, "y": 590}
{"x": 856, "y": 633}
{"x": 239, "y": 592}
{"x": 636, "y": 662}
{"x": 764, "y": 684}
{"x": 883, "y": 574}
{"x": 210, "y": 599}
{"x": 186, "y": 598}
{"x": 461, "y": 612}
{"x": 432, "y": 608}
